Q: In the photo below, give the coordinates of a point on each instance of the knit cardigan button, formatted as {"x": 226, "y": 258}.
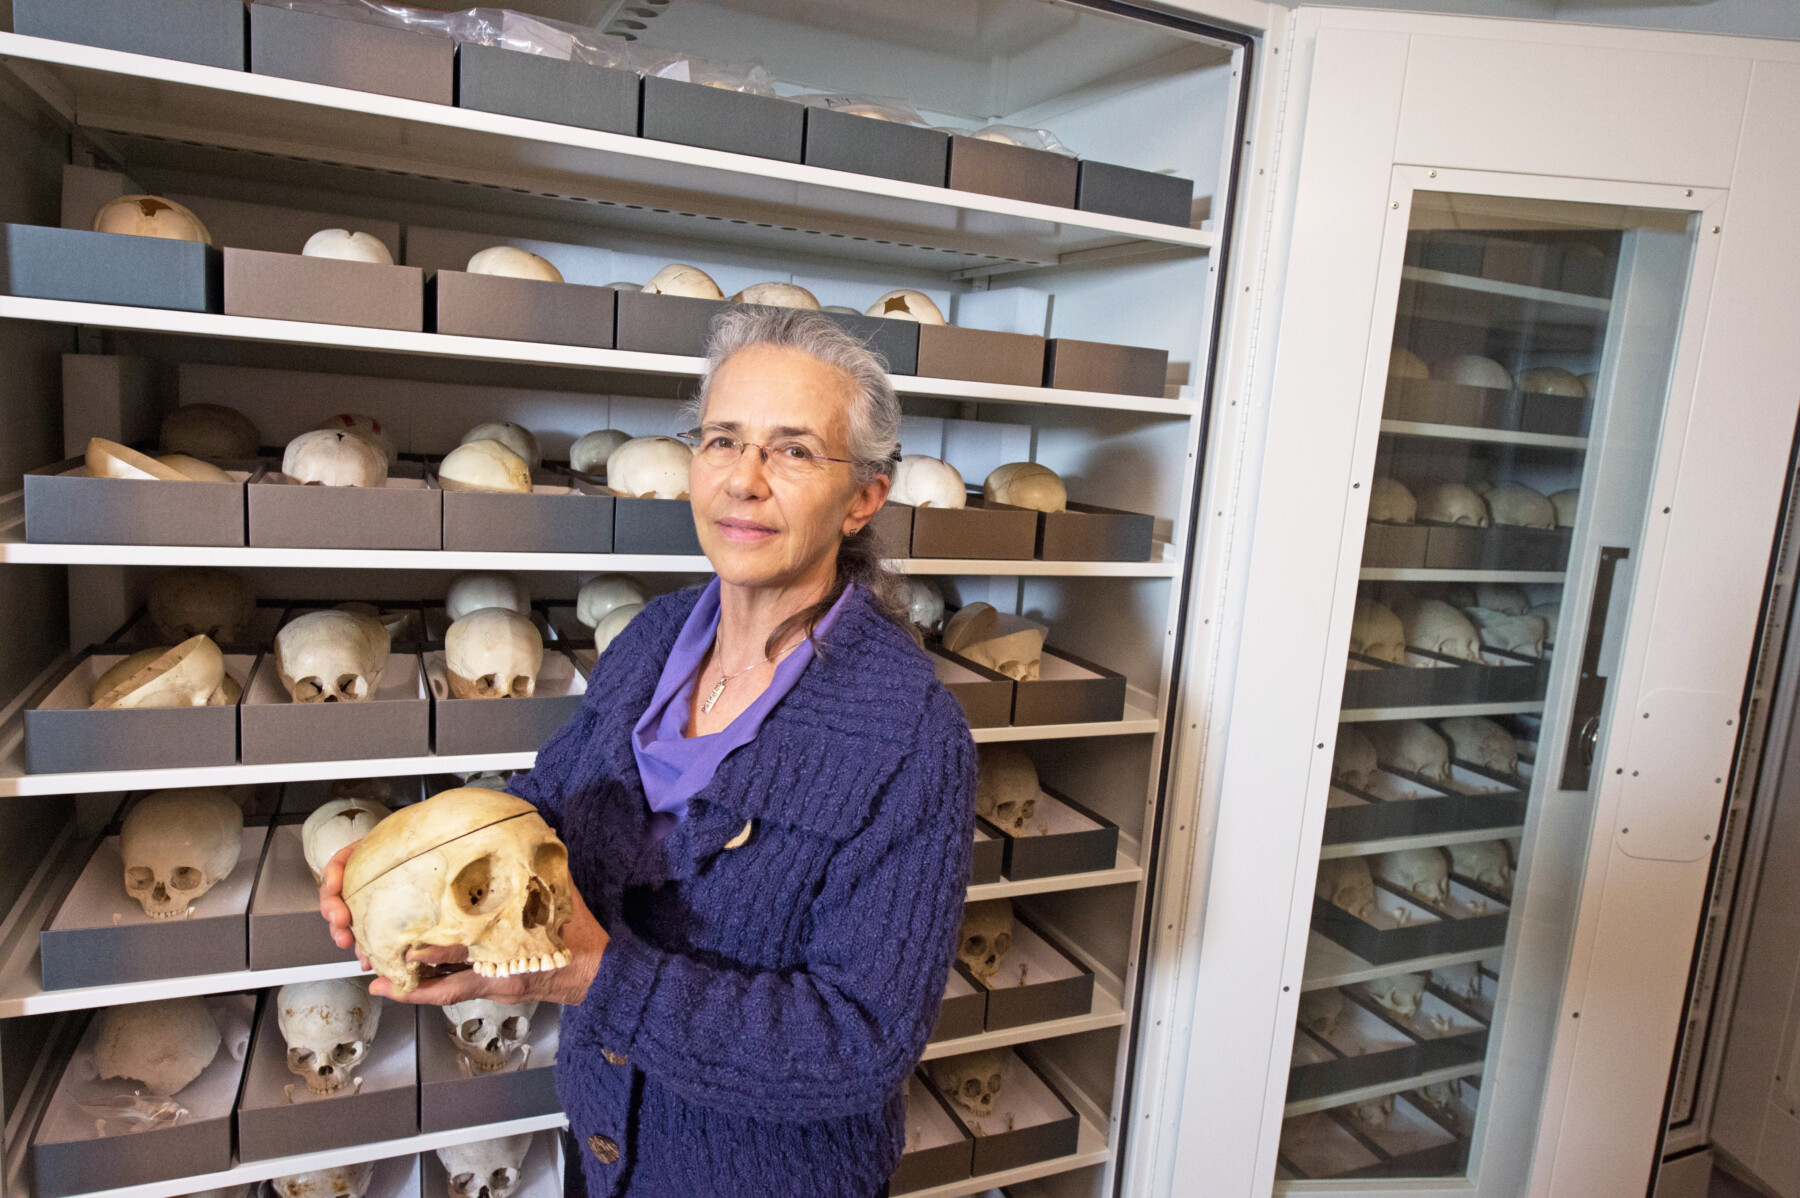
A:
{"x": 614, "y": 1058}
{"x": 607, "y": 1151}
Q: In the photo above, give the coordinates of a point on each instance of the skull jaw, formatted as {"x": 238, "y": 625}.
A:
{"x": 487, "y": 1058}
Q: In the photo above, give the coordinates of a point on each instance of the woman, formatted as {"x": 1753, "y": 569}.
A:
{"x": 768, "y": 802}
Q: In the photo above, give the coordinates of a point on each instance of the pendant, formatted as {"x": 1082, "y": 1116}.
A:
{"x": 714, "y": 697}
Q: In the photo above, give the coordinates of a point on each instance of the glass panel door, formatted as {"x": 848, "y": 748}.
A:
{"x": 1527, "y": 380}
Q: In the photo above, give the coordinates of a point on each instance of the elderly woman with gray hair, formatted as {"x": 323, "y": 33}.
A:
{"x": 768, "y": 801}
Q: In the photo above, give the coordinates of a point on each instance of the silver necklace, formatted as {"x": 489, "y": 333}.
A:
{"x": 724, "y": 678}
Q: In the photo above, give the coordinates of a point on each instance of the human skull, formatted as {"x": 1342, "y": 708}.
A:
{"x": 1552, "y": 380}
{"x": 604, "y": 592}
{"x": 1451, "y": 503}
{"x": 401, "y": 623}
{"x": 1400, "y": 993}
{"x": 468, "y": 866}
{"x": 906, "y": 304}
{"x": 192, "y": 674}
{"x": 331, "y": 656}
{"x": 1565, "y": 504}
{"x": 922, "y": 481}
{"x": 328, "y": 1027}
{"x": 1374, "y": 1113}
{"x": 366, "y": 427}
{"x": 1412, "y": 746}
{"x": 1422, "y": 873}
{"x": 1501, "y": 597}
{"x": 193, "y": 469}
{"x": 925, "y": 608}
{"x": 493, "y": 653}
{"x": 327, "y": 458}
{"x": 1437, "y": 626}
{"x": 680, "y": 279}
{"x": 339, "y": 1181}
{"x": 210, "y": 430}
{"x": 1472, "y": 370}
{"x": 1320, "y": 1010}
{"x": 479, "y": 589}
{"x": 484, "y": 466}
{"x": 177, "y": 845}
{"x": 164, "y": 1044}
{"x": 589, "y": 455}
{"x": 485, "y": 1168}
{"x": 1519, "y": 505}
{"x": 150, "y": 216}
{"x": 335, "y": 824}
{"x": 1391, "y": 503}
{"x": 1464, "y": 980}
{"x": 489, "y": 1032}
{"x": 778, "y": 295}
{"x": 1006, "y": 786}
{"x": 1404, "y": 364}
{"x": 1375, "y": 631}
{"x": 650, "y": 468}
{"x": 1345, "y": 882}
{"x": 1027, "y": 485}
{"x": 515, "y": 437}
{"x": 1481, "y": 742}
{"x": 613, "y": 623}
{"x": 513, "y": 263}
{"x": 346, "y": 246}
{"x": 1018, "y": 655}
{"x": 199, "y": 602}
{"x": 109, "y": 459}
{"x": 971, "y": 1081}
{"x": 987, "y": 936}
{"x": 1486, "y": 862}
{"x": 1524, "y": 635}
{"x": 1353, "y": 758}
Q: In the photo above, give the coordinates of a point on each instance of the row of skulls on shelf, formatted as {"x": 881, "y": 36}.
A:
{"x": 476, "y": 1169}
{"x": 1396, "y": 618}
{"x": 1473, "y": 370}
{"x": 1477, "y": 504}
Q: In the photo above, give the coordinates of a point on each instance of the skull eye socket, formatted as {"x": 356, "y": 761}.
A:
{"x": 513, "y": 1028}
{"x": 548, "y": 858}
{"x": 300, "y": 1058}
{"x": 346, "y": 1052}
{"x": 352, "y": 685}
{"x": 975, "y": 946}
{"x": 307, "y": 689}
{"x": 139, "y": 878}
{"x": 471, "y": 1029}
{"x": 972, "y": 1087}
{"x": 1002, "y": 942}
{"x": 473, "y": 888}
{"x": 461, "y": 1182}
{"x": 994, "y": 1084}
{"x": 185, "y": 878}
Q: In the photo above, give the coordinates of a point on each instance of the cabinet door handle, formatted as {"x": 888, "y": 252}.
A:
{"x": 1590, "y": 691}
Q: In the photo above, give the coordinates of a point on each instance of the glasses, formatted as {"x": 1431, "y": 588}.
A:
{"x": 786, "y": 457}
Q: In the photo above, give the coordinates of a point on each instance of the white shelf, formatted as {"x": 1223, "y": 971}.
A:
{"x": 1107, "y": 1012}
{"x": 622, "y": 362}
{"x": 1491, "y": 436}
{"x": 1394, "y": 844}
{"x": 1411, "y": 574}
{"x": 1504, "y": 290}
{"x": 416, "y": 148}
{"x": 1090, "y": 1149}
{"x": 1355, "y": 715}
{"x": 1329, "y": 963}
{"x": 1430, "y": 1077}
{"x": 1126, "y": 871}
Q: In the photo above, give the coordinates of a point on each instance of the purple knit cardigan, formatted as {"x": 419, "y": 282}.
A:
{"x": 759, "y": 1008}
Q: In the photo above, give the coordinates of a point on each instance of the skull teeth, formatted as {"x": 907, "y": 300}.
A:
{"x": 533, "y": 964}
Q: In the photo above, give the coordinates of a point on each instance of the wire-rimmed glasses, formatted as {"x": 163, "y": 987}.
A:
{"x": 791, "y": 458}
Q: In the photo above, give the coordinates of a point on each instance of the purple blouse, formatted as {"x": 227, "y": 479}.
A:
{"x": 675, "y": 766}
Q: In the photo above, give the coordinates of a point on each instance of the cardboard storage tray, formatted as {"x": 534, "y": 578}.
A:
{"x": 662, "y": 526}
{"x": 505, "y": 725}
{"x": 990, "y": 854}
{"x": 470, "y": 305}
{"x": 1399, "y": 804}
{"x": 100, "y": 936}
{"x": 395, "y": 722}
{"x": 986, "y": 696}
{"x": 1405, "y": 927}
{"x": 285, "y": 928}
{"x": 324, "y": 290}
{"x": 1397, "y": 546}
{"x": 897, "y": 341}
{"x": 938, "y": 1149}
{"x": 454, "y": 1094}
{"x": 692, "y": 114}
{"x": 564, "y": 513}
{"x": 278, "y": 1116}
{"x": 665, "y": 324}
{"x": 406, "y": 513}
{"x": 539, "y": 88}
{"x": 41, "y": 262}
{"x": 355, "y": 54}
{"x": 892, "y": 529}
{"x": 1061, "y": 837}
{"x": 1415, "y": 1142}
{"x": 847, "y": 141}
{"x": 1043, "y": 1126}
{"x": 1138, "y": 195}
{"x": 1097, "y": 366}
{"x": 964, "y": 1012}
{"x": 1069, "y": 690}
{"x": 1039, "y": 980}
{"x": 1436, "y": 401}
{"x": 1368, "y": 1045}
{"x": 1497, "y": 547}
{"x": 79, "y": 1146}
{"x": 1014, "y": 172}
{"x": 947, "y": 351}
{"x": 538, "y": 1176}
{"x": 1086, "y": 532}
{"x": 209, "y": 32}
{"x": 979, "y": 530}
{"x": 63, "y": 736}
{"x": 1501, "y": 677}
{"x": 64, "y": 505}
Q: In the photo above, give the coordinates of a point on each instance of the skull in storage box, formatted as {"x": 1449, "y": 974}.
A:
{"x": 328, "y": 458}
{"x": 509, "y": 261}
{"x": 468, "y": 866}
{"x": 1422, "y": 873}
{"x": 1400, "y": 993}
{"x": 493, "y": 653}
{"x": 335, "y": 824}
{"x": 907, "y": 304}
{"x": 472, "y": 592}
{"x": 1320, "y": 1010}
{"x": 1375, "y": 631}
{"x": 210, "y": 430}
{"x": 987, "y": 936}
{"x": 613, "y": 623}
{"x": 1486, "y": 862}
{"x": 1345, "y": 882}
{"x": 1412, "y": 746}
{"x": 925, "y": 607}
{"x": 923, "y": 481}
{"x": 199, "y": 602}
{"x": 1006, "y": 786}
{"x": 650, "y": 468}
{"x": 150, "y": 216}
{"x": 366, "y": 427}
{"x": 1518, "y": 504}
{"x": 328, "y": 1027}
{"x": 515, "y": 437}
{"x": 1565, "y": 503}
{"x": 1526, "y": 635}
{"x": 331, "y": 656}
{"x": 778, "y": 295}
{"x": 1480, "y": 741}
{"x": 177, "y": 845}
{"x": 1353, "y": 757}
{"x": 1502, "y": 597}
{"x": 1028, "y": 485}
{"x": 485, "y": 1168}
{"x": 346, "y": 246}
{"x": 340, "y": 1181}
{"x": 1451, "y": 503}
{"x": 192, "y": 674}
{"x": 485, "y": 465}
{"x": 974, "y": 632}
{"x": 680, "y": 279}
{"x": 589, "y": 454}
{"x": 1391, "y": 503}
{"x": 1437, "y": 626}
{"x": 972, "y": 1081}
{"x": 604, "y": 593}
{"x": 164, "y": 1044}
{"x": 488, "y": 1033}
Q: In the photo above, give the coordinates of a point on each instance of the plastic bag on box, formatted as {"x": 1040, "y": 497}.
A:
{"x": 881, "y": 108}
{"x": 482, "y": 26}
{"x": 751, "y": 77}
{"x": 1018, "y": 135}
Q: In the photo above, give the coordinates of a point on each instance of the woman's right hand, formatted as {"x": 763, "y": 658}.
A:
{"x": 332, "y": 905}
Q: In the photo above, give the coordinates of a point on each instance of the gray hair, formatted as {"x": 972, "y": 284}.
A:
{"x": 874, "y": 434}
